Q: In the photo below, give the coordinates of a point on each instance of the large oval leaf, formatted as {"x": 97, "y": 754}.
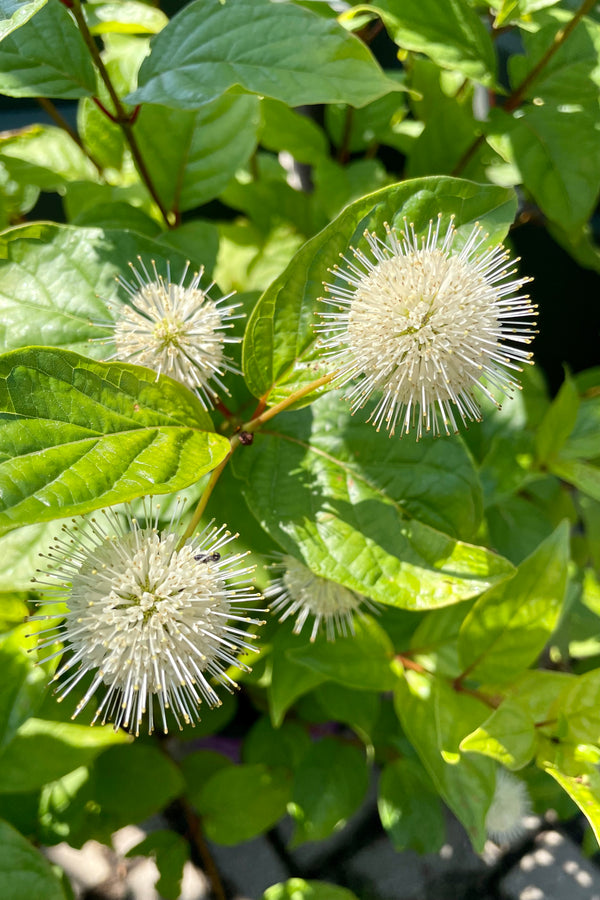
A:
{"x": 354, "y": 530}
{"x": 76, "y": 435}
{"x": 274, "y": 49}
{"x": 56, "y": 282}
{"x": 280, "y": 355}
{"x": 23, "y": 870}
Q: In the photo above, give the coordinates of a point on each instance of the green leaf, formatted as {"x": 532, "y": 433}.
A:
{"x": 43, "y": 751}
{"x": 511, "y": 735}
{"x": 450, "y": 33}
{"x": 285, "y": 129}
{"x": 289, "y": 680}
{"x": 14, "y": 13}
{"x": 134, "y": 782}
{"x": 539, "y": 142}
{"x": 78, "y": 435}
{"x": 558, "y": 422}
{"x": 241, "y": 802}
{"x": 212, "y": 144}
{"x": 360, "y": 661}
{"x": 284, "y": 746}
{"x": 435, "y": 719}
{"x": 509, "y": 625}
{"x": 329, "y": 786}
{"x": 351, "y": 529}
{"x": 125, "y": 17}
{"x": 20, "y": 552}
{"x": 45, "y": 156}
{"x": 30, "y": 65}
{"x": 23, "y": 870}
{"x": 584, "y": 440}
{"x": 58, "y": 280}
{"x": 196, "y": 240}
{"x": 409, "y": 809}
{"x": 299, "y": 889}
{"x": 276, "y": 50}
{"x": 279, "y": 352}
{"x": 23, "y": 684}
{"x": 582, "y": 784}
{"x": 358, "y": 709}
{"x": 582, "y": 475}
{"x": 170, "y": 852}
{"x": 578, "y": 706}
{"x": 198, "y": 768}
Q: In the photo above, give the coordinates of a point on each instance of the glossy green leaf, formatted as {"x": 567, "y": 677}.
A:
{"x": 509, "y": 625}
{"x": 30, "y": 65}
{"x": 579, "y": 706}
{"x": 329, "y": 786}
{"x": 361, "y": 661}
{"x": 280, "y": 355}
{"x": 539, "y": 142}
{"x": 78, "y": 435}
{"x": 299, "y": 889}
{"x": 57, "y": 280}
{"x": 435, "y": 719}
{"x": 23, "y": 683}
{"x": 451, "y": 34}
{"x": 197, "y": 240}
{"x": 211, "y": 144}
{"x": 582, "y": 784}
{"x": 584, "y": 440}
{"x": 276, "y": 50}
{"x": 241, "y": 802}
{"x": 170, "y": 852}
{"x": 409, "y": 809}
{"x": 351, "y": 529}
{"x": 23, "y": 870}
{"x": 511, "y": 734}
{"x": 285, "y": 129}
{"x": 14, "y": 13}
{"x": 43, "y": 751}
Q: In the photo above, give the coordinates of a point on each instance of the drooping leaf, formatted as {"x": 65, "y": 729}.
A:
{"x": 77, "y": 435}
{"x": 279, "y": 353}
{"x": 274, "y": 49}
{"x": 30, "y": 65}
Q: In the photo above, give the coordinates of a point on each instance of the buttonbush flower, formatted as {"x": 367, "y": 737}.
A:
{"x": 151, "y": 618}
{"x": 299, "y": 590}
{"x": 510, "y": 805}
{"x": 420, "y": 324}
{"x": 176, "y": 330}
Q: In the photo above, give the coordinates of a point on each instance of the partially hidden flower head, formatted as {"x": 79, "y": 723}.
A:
{"x": 419, "y": 324}
{"x": 509, "y": 807}
{"x": 176, "y": 329}
{"x": 155, "y": 619}
{"x": 299, "y": 592}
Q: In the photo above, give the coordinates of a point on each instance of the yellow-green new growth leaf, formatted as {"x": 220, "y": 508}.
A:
{"x": 509, "y": 625}
{"x": 76, "y": 435}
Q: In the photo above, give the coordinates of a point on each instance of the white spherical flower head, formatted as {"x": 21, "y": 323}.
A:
{"x": 419, "y": 324}
{"x": 152, "y": 617}
{"x": 300, "y": 591}
{"x": 510, "y": 805}
{"x": 176, "y": 330}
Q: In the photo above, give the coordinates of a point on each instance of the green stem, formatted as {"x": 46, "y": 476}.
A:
{"x": 517, "y": 96}
{"x": 260, "y": 418}
{"x": 59, "y": 120}
{"x": 121, "y": 117}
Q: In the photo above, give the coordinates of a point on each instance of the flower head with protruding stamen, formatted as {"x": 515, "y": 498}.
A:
{"x": 419, "y": 324}
{"x": 510, "y": 805}
{"x": 153, "y": 618}
{"x": 299, "y": 590}
{"x": 176, "y": 330}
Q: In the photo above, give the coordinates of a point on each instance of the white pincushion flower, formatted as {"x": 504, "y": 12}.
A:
{"x": 299, "y": 590}
{"x": 175, "y": 330}
{"x": 510, "y": 805}
{"x": 151, "y": 615}
{"x": 421, "y": 324}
